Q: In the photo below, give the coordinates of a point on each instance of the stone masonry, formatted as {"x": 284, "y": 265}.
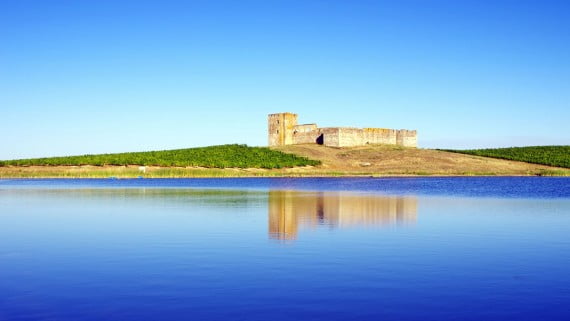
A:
{"x": 284, "y": 130}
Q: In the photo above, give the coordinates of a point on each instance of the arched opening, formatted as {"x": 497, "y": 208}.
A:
{"x": 321, "y": 139}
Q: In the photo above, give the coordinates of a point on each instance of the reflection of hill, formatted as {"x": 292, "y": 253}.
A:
{"x": 289, "y": 210}
{"x": 207, "y": 197}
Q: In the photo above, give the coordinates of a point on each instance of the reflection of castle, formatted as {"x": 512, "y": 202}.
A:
{"x": 289, "y": 210}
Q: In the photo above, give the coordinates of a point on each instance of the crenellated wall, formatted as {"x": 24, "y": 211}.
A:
{"x": 407, "y": 138}
{"x": 330, "y": 136}
{"x": 283, "y": 130}
{"x": 380, "y": 136}
{"x": 304, "y": 128}
{"x": 306, "y": 137}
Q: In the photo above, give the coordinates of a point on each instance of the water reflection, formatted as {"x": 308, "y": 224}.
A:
{"x": 288, "y": 210}
{"x": 291, "y": 210}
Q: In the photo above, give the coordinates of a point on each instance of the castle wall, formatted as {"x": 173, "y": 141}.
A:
{"x": 305, "y": 128}
{"x": 306, "y": 134}
{"x": 309, "y": 137}
{"x": 331, "y": 136}
{"x": 407, "y": 138}
{"x": 379, "y": 136}
{"x": 351, "y": 137}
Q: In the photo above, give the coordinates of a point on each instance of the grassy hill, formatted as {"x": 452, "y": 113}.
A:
{"x": 223, "y": 156}
{"x": 243, "y": 161}
{"x": 558, "y": 156}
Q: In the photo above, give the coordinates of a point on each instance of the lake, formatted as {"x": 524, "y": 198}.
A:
{"x": 457, "y": 248}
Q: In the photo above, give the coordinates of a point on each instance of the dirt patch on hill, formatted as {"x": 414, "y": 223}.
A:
{"x": 396, "y": 160}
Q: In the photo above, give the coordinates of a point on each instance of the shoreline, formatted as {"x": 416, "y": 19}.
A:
{"x": 133, "y": 172}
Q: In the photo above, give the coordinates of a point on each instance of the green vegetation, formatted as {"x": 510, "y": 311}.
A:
{"x": 558, "y": 156}
{"x": 223, "y": 156}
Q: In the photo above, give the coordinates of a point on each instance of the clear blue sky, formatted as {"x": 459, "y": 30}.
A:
{"x": 82, "y": 77}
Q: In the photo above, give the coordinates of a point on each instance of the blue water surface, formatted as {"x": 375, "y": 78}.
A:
{"x": 533, "y": 187}
{"x": 476, "y": 248}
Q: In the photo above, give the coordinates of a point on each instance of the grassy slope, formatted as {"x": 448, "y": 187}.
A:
{"x": 558, "y": 156}
{"x": 223, "y": 156}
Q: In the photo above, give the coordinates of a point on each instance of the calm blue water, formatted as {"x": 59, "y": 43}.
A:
{"x": 480, "y": 248}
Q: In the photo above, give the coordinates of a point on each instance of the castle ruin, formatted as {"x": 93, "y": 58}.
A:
{"x": 283, "y": 130}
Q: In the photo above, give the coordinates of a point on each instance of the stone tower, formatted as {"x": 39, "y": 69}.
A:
{"x": 281, "y": 127}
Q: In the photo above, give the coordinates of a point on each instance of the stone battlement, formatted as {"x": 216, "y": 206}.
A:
{"x": 284, "y": 130}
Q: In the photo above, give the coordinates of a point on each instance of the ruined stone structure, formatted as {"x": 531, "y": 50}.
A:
{"x": 283, "y": 130}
